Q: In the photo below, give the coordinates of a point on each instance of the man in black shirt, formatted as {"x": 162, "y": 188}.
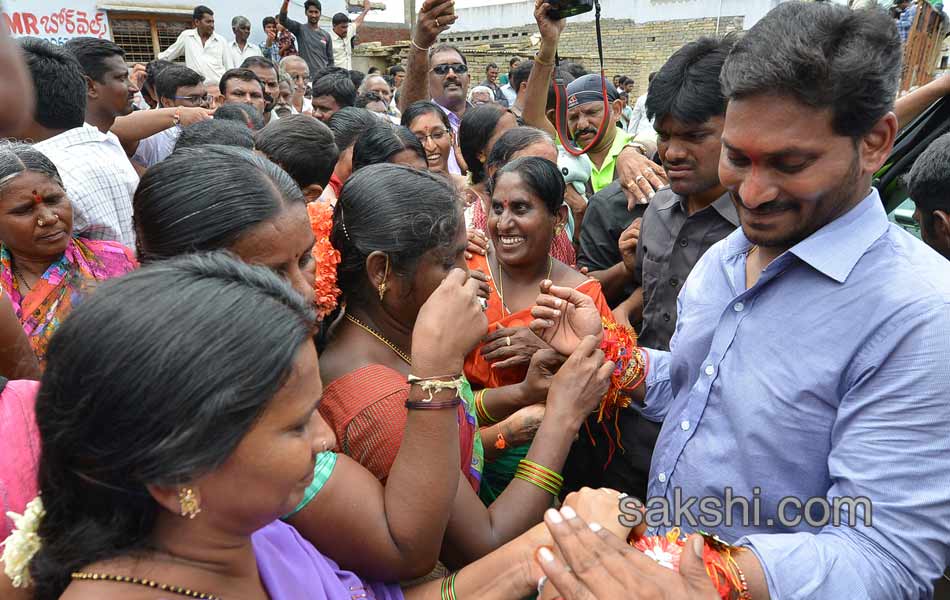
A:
{"x": 686, "y": 104}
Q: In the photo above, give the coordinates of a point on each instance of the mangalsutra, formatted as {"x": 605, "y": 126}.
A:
{"x": 405, "y": 357}
{"x": 501, "y": 285}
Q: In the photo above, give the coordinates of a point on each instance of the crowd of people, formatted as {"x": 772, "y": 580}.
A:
{"x": 276, "y": 328}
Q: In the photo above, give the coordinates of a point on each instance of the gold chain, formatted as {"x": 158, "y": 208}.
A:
{"x": 172, "y": 589}
{"x": 501, "y": 285}
{"x": 379, "y": 337}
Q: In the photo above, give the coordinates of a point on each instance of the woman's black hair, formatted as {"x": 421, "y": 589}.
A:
{"x": 153, "y": 380}
{"x": 17, "y": 157}
{"x": 394, "y": 209}
{"x": 215, "y": 132}
{"x": 541, "y": 176}
{"x": 514, "y": 141}
{"x": 348, "y": 123}
{"x": 381, "y": 142}
{"x": 205, "y": 198}
{"x": 477, "y": 127}
{"x": 424, "y": 107}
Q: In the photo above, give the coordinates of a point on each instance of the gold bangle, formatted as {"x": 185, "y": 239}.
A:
{"x": 537, "y": 59}
{"x": 417, "y": 46}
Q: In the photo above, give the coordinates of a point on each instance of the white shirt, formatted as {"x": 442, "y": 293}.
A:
{"x": 158, "y": 147}
{"x": 510, "y": 94}
{"x": 99, "y": 181}
{"x": 211, "y": 59}
{"x": 640, "y": 127}
{"x": 238, "y": 55}
{"x": 343, "y": 48}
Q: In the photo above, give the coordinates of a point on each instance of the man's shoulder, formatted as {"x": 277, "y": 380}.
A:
{"x": 914, "y": 270}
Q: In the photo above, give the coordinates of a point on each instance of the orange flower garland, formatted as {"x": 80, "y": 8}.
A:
{"x": 326, "y": 293}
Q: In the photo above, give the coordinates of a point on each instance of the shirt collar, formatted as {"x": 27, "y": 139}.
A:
{"x": 722, "y": 205}
{"x": 836, "y": 248}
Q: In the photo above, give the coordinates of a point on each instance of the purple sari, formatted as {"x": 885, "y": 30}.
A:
{"x": 291, "y": 568}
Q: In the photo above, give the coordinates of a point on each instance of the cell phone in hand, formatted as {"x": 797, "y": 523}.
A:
{"x": 562, "y": 9}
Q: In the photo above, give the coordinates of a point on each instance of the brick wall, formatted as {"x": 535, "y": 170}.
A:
{"x": 631, "y": 49}
{"x": 387, "y": 36}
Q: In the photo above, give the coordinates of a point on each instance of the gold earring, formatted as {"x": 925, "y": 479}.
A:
{"x": 382, "y": 290}
{"x": 189, "y": 502}
{"x": 558, "y": 229}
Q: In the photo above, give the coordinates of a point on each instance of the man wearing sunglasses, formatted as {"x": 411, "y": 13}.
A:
{"x": 181, "y": 91}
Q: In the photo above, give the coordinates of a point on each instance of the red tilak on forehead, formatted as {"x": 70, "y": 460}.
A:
{"x": 37, "y": 199}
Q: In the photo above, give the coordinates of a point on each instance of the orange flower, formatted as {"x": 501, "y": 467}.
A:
{"x": 326, "y": 259}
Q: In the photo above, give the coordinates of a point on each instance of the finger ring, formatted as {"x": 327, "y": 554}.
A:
{"x": 437, "y": 24}
{"x": 639, "y": 177}
{"x": 483, "y": 303}
{"x": 508, "y": 340}
{"x": 648, "y": 170}
{"x": 324, "y": 445}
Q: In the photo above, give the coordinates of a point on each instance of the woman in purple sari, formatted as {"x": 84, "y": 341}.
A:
{"x": 178, "y": 421}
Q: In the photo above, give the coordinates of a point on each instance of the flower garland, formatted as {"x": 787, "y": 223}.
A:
{"x": 326, "y": 293}
{"x": 23, "y": 544}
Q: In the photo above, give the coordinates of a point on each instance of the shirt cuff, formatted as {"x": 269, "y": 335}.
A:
{"x": 659, "y": 394}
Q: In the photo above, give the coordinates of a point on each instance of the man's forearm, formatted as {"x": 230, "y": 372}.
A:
{"x": 135, "y": 127}
{"x": 415, "y": 86}
{"x": 282, "y": 15}
{"x": 536, "y": 92}
{"x": 916, "y": 102}
{"x": 612, "y": 282}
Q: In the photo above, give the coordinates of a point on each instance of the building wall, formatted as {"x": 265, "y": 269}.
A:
{"x": 632, "y": 49}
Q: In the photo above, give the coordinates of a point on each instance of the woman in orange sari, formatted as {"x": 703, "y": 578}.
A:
{"x": 43, "y": 267}
{"x": 526, "y": 212}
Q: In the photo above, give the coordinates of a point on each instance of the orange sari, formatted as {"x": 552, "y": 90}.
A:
{"x": 478, "y": 370}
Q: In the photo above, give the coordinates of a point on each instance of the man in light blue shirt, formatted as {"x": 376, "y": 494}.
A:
{"x": 810, "y": 359}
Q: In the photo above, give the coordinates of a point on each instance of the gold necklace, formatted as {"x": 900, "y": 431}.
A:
{"x": 172, "y": 589}
{"x": 501, "y": 285}
{"x": 379, "y": 337}
{"x": 16, "y": 272}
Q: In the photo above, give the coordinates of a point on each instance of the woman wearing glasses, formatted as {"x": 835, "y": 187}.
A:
{"x": 431, "y": 127}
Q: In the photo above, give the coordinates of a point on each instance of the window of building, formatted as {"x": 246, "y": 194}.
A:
{"x": 943, "y": 61}
{"x": 143, "y": 36}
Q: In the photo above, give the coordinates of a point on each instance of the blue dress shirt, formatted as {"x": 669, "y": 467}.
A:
{"x": 829, "y": 378}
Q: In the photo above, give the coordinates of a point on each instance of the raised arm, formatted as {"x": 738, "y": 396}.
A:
{"x": 358, "y": 22}
{"x": 539, "y": 81}
{"x": 416, "y": 85}
{"x": 916, "y": 102}
{"x": 291, "y": 25}
{"x": 135, "y": 127}
{"x": 175, "y": 50}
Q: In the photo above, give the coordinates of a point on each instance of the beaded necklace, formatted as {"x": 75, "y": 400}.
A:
{"x": 171, "y": 589}
{"x": 405, "y": 357}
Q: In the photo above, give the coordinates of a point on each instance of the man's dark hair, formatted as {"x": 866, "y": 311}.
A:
{"x": 687, "y": 87}
{"x": 242, "y": 74}
{"x": 396, "y": 69}
{"x": 575, "y": 69}
{"x": 261, "y": 62}
{"x": 217, "y": 132}
{"x": 268, "y": 21}
{"x": 650, "y": 77}
{"x": 367, "y": 98}
{"x": 58, "y": 83}
{"x": 443, "y": 47}
{"x": 348, "y": 123}
{"x": 339, "y": 18}
{"x": 339, "y": 88}
{"x": 152, "y": 69}
{"x": 302, "y": 146}
{"x": 320, "y": 74}
{"x": 356, "y": 77}
{"x": 513, "y": 60}
{"x": 314, "y": 3}
{"x": 929, "y": 180}
{"x": 245, "y": 114}
{"x": 520, "y": 74}
{"x": 552, "y": 95}
{"x": 200, "y": 12}
{"x": 825, "y": 56}
{"x": 490, "y": 66}
{"x": 624, "y": 80}
{"x": 92, "y": 54}
{"x": 174, "y": 77}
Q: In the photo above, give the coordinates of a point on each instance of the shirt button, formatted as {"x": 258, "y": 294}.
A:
{"x": 684, "y": 425}
{"x": 684, "y": 242}
{"x": 710, "y": 370}
{"x": 662, "y": 477}
{"x": 674, "y": 282}
{"x": 666, "y": 316}
{"x": 738, "y": 307}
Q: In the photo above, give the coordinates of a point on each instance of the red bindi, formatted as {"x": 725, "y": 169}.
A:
{"x": 37, "y": 199}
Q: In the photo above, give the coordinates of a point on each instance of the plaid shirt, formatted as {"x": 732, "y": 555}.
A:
{"x": 99, "y": 180}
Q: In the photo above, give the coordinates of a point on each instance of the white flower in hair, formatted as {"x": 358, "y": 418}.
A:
{"x": 23, "y": 543}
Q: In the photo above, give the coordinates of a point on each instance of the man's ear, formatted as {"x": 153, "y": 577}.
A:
{"x": 941, "y": 227}
{"x": 616, "y": 109}
{"x": 312, "y": 192}
{"x": 91, "y": 90}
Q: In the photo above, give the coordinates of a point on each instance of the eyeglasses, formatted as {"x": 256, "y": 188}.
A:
{"x": 197, "y": 100}
{"x": 459, "y": 68}
{"x": 436, "y": 136}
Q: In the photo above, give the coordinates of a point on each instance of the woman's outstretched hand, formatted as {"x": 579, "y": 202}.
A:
{"x": 563, "y": 317}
